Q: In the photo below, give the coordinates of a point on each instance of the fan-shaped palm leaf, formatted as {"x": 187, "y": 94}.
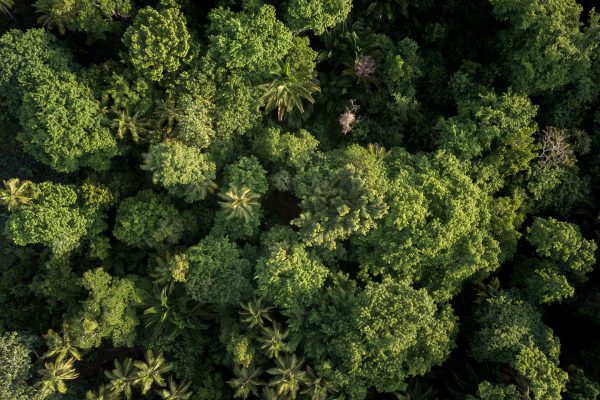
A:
{"x": 176, "y": 392}
{"x": 54, "y": 375}
{"x": 246, "y": 381}
{"x": 288, "y": 89}
{"x": 240, "y": 202}
{"x": 122, "y": 378}
{"x": 15, "y": 193}
{"x": 151, "y": 371}
{"x": 287, "y": 375}
{"x": 273, "y": 340}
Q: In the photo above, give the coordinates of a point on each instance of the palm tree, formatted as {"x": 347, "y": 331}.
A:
{"x": 255, "y": 313}
{"x": 377, "y": 150}
{"x": 240, "y": 202}
{"x": 316, "y": 387}
{"x": 151, "y": 371}
{"x": 246, "y": 381}
{"x": 175, "y": 392}
{"x": 60, "y": 346}
{"x": 101, "y": 394}
{"x": 122, "y": 378}
{"x": 51, "y": 19}
{"x": 485, "y": 291}
{"x": 199, "y": 190}
{"x": 125, "y": 123}
{"x": 273, "y": 340}
{"x": 170, "y": 313}
{"x": 165, "y": 113}
{"x": 269, "y": 394}
{"x": 15, "y": 193}
{"x": 6, "y": 5}
{"x": 287, "y": 375}
{"x": 287, "y": 90}
{"x": 54, "y": 375}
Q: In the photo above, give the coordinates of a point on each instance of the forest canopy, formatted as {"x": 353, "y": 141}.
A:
{"x": 299, "y": 200}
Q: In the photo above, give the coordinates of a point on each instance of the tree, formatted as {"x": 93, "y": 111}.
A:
{"x": 564, "y": 257}
{"x": 255, "y": 313}
{"x": 437, "y": 232}
{"x": 122, "y": 378}
{"x": 62, "y": 126}
{"x": 61, "y": 346}
{"x": 287, "y": 375}
{"x": 27, "y": 60}
{"x": 379, "y": 336}
{"x": 246, "y": 381}
{"x": 95, "y": 19}
{"x": 340, "y": 196}
{"x": 544, "y": 49}
{"x": 274, "y": 340}
{"x": 6, "y": 5}
{"x": 287, "y": 90}
{"x": 176, "y": 392}
{"x": 158, "y": 42}
{"x": 316, "y": 15}
{"x": 496, "y": 133}
{"x": 490, "y": 391}
{"x": 108, "y": 312}
{"x": 101, "y": 394}
{"x": 15, "y": 367}
{"x": 123, "y": 123}
{"x": 290, "y": 277}
{"x": 151, "y": 371}
{"x": 240, "y": 202}
{"x": 55, "y": 217}
{"x": 218, "y": 274}
{"x": 181, "y": 169}
{"x": 291, "y": 150}
{"x": 147, "y": 220}
{"x": 253, "y": 41}
{"x": 54, "y": 375}
{"x": 546, "y": 380}
{"x": 505, "y": 324}
{"x": 15, "y": 194}
{"x": 170, "y": 313}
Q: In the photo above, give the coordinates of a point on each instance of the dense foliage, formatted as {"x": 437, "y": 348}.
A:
{"x": 300, "y": 199}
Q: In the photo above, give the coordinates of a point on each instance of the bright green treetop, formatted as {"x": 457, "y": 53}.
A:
{"x": 28, "y": 59}
{"x": 95, "y": 18}
{"x": 15, "y": 367}
{"x": 496, "y": 133}
{"x": 341, "y": 195}
{"x": 317, "y": 15}
{"x": 506, "y": 324}
{"x": 217, "y": 273}
{"x": 147, "y": 220}
{"x": 564, "y": 259}
{"x": 546, "y": 380}
{"x": 290, "y": 277}
{"x": 158, "y": 42}
{"x": 62, "y": 126}
{"x": 56, "y": 217}
{"x": 437, "y": 230}
{"x": 544, "y": 47}
{"x": 251, "y": 40}
{"x": 109, "y": 312}
{"x": 179, "y": 168}
{"x": 379, "y": 336}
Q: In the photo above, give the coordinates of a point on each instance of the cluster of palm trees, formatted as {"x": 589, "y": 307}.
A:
{"x": 126, "y": 376}
{"x": 288, "y": 376}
